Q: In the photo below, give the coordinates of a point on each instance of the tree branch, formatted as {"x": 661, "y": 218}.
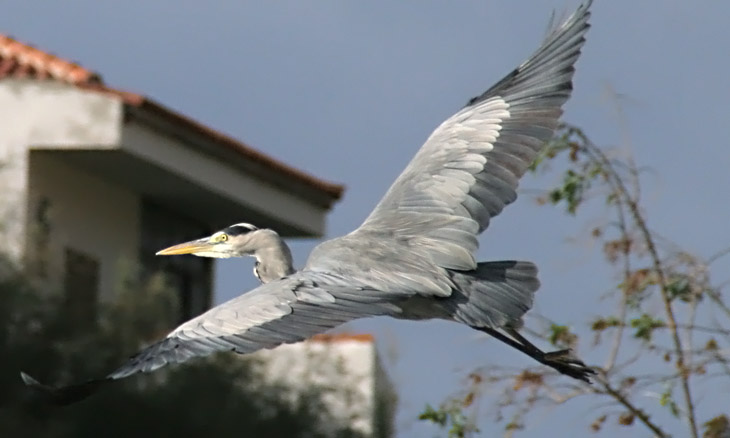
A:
{"x": 625, "y": 402}
{"x": 618, "y": 336}
{"x": 659, "y": 270}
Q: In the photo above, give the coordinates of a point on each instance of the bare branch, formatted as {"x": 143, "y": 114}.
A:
{"x": 659, "y": 270}
{"x": 718, "y": 255}
{"x": 625, "y": 402}
{"x": 717, "y": 299}
{"x": 618, "y": 336}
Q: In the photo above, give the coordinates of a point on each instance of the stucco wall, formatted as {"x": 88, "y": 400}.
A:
{"x": 44, "y": 113}
{"x": 85, "y": 213}
{"x": 345, "y": 370}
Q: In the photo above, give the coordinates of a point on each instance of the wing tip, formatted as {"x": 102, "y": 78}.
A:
{"x": 64, "y": 395}
{"x": 30, "y": 381}
{"x": 576, "y": 25}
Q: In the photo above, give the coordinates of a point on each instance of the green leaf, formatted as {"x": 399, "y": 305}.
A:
{"x": 601, "y": 324}
{"x": 645, "y": 325}
{"x": 561, "y": 335}
{"x": 450, "y": 414}
{"x": 680, "y": 287}
{"x": 666, "y": 400}
{"x": 430, "y": 414}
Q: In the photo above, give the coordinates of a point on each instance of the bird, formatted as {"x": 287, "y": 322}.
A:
{"x": 272, "y": 254}
{"x": 413, "y": 257}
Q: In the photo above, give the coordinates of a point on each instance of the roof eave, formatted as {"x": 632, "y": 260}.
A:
{"x": 323, "y": 193}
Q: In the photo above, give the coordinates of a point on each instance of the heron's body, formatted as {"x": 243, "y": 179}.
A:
{"x": 413, "y": 257}
{"x": 273, "y": 258}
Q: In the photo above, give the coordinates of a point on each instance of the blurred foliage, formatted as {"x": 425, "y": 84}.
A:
{"x": 645, "y": 325}
{"x": 662, "y": 326}
{"x": 718, "y": 427}
{"x": 452, "y": 413}
{"x": 221, "y": 396}
{"x": 560, "y": 335}
{"x": 451, "y": 416}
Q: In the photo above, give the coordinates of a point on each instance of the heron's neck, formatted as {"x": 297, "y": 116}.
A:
{"x": 273, "y": 262}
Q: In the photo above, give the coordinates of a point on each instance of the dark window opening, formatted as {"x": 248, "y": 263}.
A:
{"x": 190, "y": 276}
{"x": 40, "y": 236}
{"x": 81, "y": 287}
{"x": 183, "y": 283}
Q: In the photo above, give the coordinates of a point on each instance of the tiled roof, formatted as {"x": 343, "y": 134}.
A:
{"x": 343, "y": 337}
{"x": 19, "y": 60}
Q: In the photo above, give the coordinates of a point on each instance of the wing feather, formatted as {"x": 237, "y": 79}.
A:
{"x": 283, "y": 311}
{"x": 468, "y": 169}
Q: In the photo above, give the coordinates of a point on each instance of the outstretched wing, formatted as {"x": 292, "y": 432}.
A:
{"x": 468, "y": 169}
{"x": 282, "y": 311}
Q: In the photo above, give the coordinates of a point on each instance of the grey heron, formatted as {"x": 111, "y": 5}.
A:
{"x": 414, "y": 256}
{"x": 273, "y": 256}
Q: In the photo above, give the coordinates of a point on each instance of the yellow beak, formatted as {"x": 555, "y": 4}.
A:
{"x": 186, "y": 248}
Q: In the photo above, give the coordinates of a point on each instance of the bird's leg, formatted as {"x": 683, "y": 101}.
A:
{"x": 563, "y": 361}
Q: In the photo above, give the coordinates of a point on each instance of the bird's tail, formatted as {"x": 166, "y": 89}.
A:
{"x": 495, "y": 294}
{"x": 494, "y": 297}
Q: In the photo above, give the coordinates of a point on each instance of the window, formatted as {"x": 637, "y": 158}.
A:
{"x": 81, "y": 287}
{"x": 190, "y": 276}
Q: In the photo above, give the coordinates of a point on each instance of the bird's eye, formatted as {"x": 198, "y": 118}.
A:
{"x": 223, "y": 237}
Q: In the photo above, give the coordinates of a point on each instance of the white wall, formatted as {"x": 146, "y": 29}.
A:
{"x": 45, "y": 113}
{"x": 345, "y": 369}
{"x": 13, "y": 182}
{"x": 88, "y": 214}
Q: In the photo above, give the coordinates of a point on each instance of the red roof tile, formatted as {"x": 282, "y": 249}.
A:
{"x": 18, "y": 60}
{"x": 343, "y": 337}
{"x": 22, "y": 61}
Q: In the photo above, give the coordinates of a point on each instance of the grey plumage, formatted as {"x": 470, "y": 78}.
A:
{"x": 273, "y": 256}
{"x": 413, "y": 257}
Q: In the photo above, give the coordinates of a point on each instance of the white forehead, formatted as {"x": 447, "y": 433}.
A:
{"x": 239, "y": 229}
{"x": 245, "y": 225}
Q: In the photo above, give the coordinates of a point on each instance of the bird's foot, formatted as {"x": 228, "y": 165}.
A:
{"x": 565, "y": 362}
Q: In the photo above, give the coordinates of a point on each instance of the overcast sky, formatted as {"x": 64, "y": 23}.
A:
{"x": 349, "y": 90}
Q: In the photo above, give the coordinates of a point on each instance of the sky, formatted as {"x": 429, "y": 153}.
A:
{"x": 348, "y": 91}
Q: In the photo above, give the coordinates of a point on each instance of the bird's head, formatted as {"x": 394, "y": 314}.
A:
{"x": 235, "y": 241}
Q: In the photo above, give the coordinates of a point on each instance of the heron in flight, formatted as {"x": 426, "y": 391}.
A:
{"x": 273, "y": 256}
{"x": 414, "y": 256}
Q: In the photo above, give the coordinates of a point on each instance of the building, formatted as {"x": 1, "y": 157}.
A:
{"x": 92, "y": 177}
{"x": 346, "y": 371}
